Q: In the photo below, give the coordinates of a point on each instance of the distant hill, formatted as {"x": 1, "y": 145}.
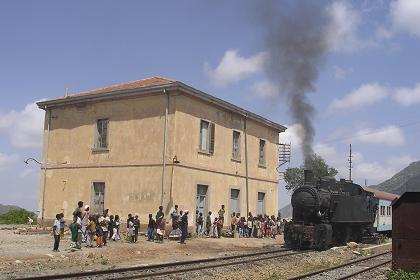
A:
{"x": 6, "y": 208}
{"x": 286, "y": 211}
{"x": 407, "y": 179}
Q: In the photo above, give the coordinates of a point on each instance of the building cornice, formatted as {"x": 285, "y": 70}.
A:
{"x": 158, "y": 89}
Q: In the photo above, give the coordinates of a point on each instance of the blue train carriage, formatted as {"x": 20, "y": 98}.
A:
{"x": 383, "y": 220}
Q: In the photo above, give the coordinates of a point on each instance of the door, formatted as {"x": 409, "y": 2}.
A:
{"x": 98, "y": 197}
{"x": 261, "y": 203}
{"x": 201, "y": 203}
{"x": 234, "y": 201}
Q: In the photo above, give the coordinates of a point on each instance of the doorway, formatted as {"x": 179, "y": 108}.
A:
{"x": 201, "y": 202}
{"x": 98, "y": 197}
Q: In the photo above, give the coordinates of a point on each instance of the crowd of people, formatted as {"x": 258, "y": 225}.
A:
{"x": 95, "y": 229}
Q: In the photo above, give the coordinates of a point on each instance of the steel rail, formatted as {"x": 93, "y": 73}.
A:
{"x": 154, "y": 266}
{"x": 364, "y": 270}
{"x": 205, "y": 267}
{"x": 337, "y": 267}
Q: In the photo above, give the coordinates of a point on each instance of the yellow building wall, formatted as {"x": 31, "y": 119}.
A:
{"x": 132, "y": 167}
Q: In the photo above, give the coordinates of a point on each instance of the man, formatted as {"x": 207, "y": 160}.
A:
{"x": 221, "y": 214}
{"x": 184, "y": 227}
{"x": 78, "y": 209}
{"x": 56, "y": 232}
{"x": 159, "y": 215}
{"x": 199, "y": 225}
{"x": 175, "y": 217}
{"x": 208, "y": 223}
{"x": 85, "y": 221}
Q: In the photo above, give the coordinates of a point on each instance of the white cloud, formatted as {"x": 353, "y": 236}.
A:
{"x": 405, "y": 15}
{"x": 341, "y": 73}
{"x": 366, "y": 94}
{"x": 265, "y": 88}
{"x": 341, "y": 33}
{"x": 292, "y": 135}
{"x": 389, "y": 135}
{"x": 233, "y": 67}
{"x": 6, "y": 160}
{"x": 24, "y": 127}
{"x": 407, "y": 96}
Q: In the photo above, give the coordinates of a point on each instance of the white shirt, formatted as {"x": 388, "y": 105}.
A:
{"x": 57, "y": 227}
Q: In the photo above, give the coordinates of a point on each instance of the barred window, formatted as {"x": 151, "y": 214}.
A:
{"x": 236, "y": 146}
{"x": 262, "y": 152}
{"x": 101, "y": 134}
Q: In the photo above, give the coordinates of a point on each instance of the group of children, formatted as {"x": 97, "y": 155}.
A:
{"x": 96, "y": 229}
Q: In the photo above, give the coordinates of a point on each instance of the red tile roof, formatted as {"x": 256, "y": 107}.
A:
{"x": 153, "y": 81}
{"x": 382, "y": 195}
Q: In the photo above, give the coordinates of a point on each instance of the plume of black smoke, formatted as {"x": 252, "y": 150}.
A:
{"x": 296, "y": 42}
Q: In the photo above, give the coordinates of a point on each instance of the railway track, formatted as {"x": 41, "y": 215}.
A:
{"x": 350, "y": 269}
{"x": 149, "y": 271}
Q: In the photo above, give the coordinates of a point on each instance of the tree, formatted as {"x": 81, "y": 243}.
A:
{"x": 294, "y": 177}
{"x": 17, "y": 216}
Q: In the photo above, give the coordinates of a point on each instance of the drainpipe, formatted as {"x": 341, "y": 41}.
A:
{"x": 246, "y": 166}
{"x": 48, "y": 111}
{"x": 165, "y": 136}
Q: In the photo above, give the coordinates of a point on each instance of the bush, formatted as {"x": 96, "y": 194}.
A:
{"x": 17, "y": 216}
{"x": 402, "y": 275}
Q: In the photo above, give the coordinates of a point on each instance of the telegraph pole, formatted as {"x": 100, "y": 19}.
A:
{"x": 350, "y": 163}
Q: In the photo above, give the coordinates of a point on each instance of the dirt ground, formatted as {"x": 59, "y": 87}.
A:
{"x": 29, "y": 254}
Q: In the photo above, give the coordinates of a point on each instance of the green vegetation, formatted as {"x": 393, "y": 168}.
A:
{"x": 294, "y": 177}
{"x": 402, "y": 275}
{"x": 17, "y": 216}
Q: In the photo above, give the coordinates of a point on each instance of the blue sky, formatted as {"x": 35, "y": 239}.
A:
{"x": 367, "y": 92}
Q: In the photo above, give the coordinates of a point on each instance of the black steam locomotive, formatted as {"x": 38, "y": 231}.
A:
{"x": 329, "y": 212}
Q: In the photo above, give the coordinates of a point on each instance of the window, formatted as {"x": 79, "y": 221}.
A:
{"x": 101, "y": 134}
{"x": 206, "y": 137}
{"x": 262, "y": 153}
{"x": 236, "y": 146}
{"x": 382, "y": 213}
{"x": 388, "y": 210}
{"x": 260, "y": 203}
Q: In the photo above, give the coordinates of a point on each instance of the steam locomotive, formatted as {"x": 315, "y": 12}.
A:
{"x": 327, "y": 212}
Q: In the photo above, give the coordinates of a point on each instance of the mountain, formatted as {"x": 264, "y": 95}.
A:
{"x": 407, "y": 179}
{"x": 286, "y": 211}
{"x": 6, "y": 208}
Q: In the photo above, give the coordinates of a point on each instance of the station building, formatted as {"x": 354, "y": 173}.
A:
{"x": 132, "y": 147}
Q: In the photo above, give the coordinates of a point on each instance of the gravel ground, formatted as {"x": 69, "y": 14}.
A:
{"x": 31, "y": 254}
{"x": 347, "y": 270}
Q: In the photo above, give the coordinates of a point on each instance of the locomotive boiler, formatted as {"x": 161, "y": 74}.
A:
{"x": 327, "y": 212}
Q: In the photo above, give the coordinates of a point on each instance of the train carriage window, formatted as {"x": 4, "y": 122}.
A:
{"x": 388, "y": 210}
{"x": 382, "y": 213}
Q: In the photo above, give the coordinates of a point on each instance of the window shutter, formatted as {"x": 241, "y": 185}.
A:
{"x": 211, "y": 136}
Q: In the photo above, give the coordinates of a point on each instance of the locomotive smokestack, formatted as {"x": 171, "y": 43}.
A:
{"x": 309, "y": 176}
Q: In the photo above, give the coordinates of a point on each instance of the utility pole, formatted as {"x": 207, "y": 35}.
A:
{"x": 350, "y": 163}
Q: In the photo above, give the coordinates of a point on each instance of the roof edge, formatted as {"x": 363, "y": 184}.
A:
{"x": 153, "y": 89}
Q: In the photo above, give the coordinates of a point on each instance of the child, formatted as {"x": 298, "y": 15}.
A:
{"x": 111, "y": 226}
{"x": 130, "y": 229}
{"x": 215, "y": 234}
{"x": 240, "y": 225}
{"x": 62, "y": 225}
{"x": 208, "y": 223}
{"x": 151, "y": 228}
{"x": 91, "y": 228}
{"x": 116, "y": 235}
{"x": 136, "y": 225}
{"x": 160, "y": 232}
{"x": 74, "y": 229}
{"x": 56, "y": 232}
{"x": 98, "y": 233}
{"x": 103, "y": 221}
{"x": 200, "y": 224}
